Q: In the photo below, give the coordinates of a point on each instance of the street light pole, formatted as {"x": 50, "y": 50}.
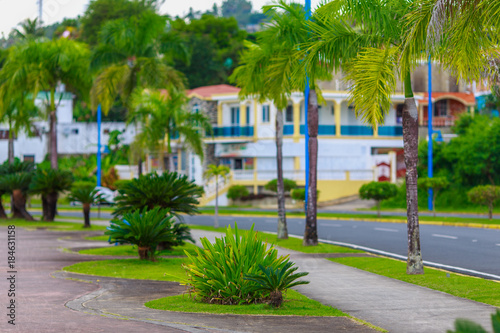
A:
{"x": 99, "y": 145}
{"x": 430, "y": 132}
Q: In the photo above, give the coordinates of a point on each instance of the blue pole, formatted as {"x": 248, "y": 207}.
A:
{"x": 429, "y": 129}
{"x": 99, "y": 145}
{"x": 306, "y": 107}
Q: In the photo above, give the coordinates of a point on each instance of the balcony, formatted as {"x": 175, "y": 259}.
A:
{"x": 390, "y": 131}
{"x": 356, "y": 130}
{"x": 322, "y": 129}
{"x": 232, "y": 131}
{"x": 299, "y": 175}
{"x": 440, "y": 121}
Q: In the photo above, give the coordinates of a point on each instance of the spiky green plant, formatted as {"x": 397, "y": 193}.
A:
{"x": 216, "y": 273}
{"x": 87, "y": 195}
{"x": 277, "y": 280}
{"x": 49, "y": 183}
{"x": 467, "y": 326}
{"x": 146, "y": 229}
{"x": 17, "y": 184}
{"x": 169, "y": 190}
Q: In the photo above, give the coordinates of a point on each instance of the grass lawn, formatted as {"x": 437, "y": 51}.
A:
{"x": 291, "y": 243}
{"x": 224, "y": 211}
{"x": 294, "y": 304}
{"x": 102, "y": 238}
{"x": 56, "y": 226}
{"x": 162, "y": 269}
{"x": 131, "y": 250}
{"x": 476, "y": 289}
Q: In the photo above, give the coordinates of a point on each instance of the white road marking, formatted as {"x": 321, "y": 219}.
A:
{"x": 329, "y": 225}
{"x": 474, "y": 240}
{"x": 269, "y": 221}
{"x": 386, "y": 229}
{"x": 444, "y": 236}
{"x": 497, "y": 244}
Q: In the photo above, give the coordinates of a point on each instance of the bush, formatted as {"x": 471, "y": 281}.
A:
{"x": 169, "y": 190}
{"x": 288, "y": 185}
{"x": 237, "y": 192}
{"x": 299, "y": 194}
{"x": 110, "y": 178}
{"x": 147, "y": 229}
{"x": 468, "y": 326}
{"x": 121, "y": 183}
{"x": 486, "y": 195}
{"x": 217, "y": 272}
{"x": 378, "y": 191}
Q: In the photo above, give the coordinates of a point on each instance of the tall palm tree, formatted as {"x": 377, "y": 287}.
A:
{"x": 164, "y": 116}
{"x": 129, "y": 58}
{"x": 87, "y": 195}
{"x": 217, "y": 171}
{"x": 43, "y": 65}
{"x": 18, "y": 111}
{"x": 31, "y": 29}
{"x": 366, "y": 39}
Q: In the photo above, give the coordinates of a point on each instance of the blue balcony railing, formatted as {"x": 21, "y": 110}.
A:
{"x": 288, "y": 130}
{"x": 390, "y": 131}
{"x": 355, "y": 130}
{"x": 228, "y": 131}
{"x": 322, "y": 129}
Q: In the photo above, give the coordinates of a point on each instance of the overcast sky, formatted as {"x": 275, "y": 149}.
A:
{"x": 14, "y": 11}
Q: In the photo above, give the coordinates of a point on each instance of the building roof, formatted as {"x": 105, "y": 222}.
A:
{"x": 465, "y": 98}
{"x": 208, "y": 92}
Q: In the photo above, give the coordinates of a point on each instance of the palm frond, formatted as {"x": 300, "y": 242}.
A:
{"x": 107, "y": 86}
{"x": 373, "y": 79}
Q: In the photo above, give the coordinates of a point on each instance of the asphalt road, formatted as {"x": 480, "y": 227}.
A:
{"x": 477, "y": 250}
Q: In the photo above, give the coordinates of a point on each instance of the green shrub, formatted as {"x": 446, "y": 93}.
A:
{"x": 275, "y": 281}
{"x": 121, "y": 183}
{"x": 169, "y": 190}
{"x": 486, "y": 195}
{"x": 378, "y": 191}
{"x": 147, "y": 229}
{"x": 437, "y": 184}
{"x": 288, "y": 185}
{"x": 216, "y": 273}
{"x": 237, "y": 192}
{"x": 299, "y": 194}
{"x": 467, "y": 326}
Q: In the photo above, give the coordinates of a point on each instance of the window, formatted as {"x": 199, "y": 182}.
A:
{"x": 289, "y": 114}
{"x": 235, "y": 116}
{"x": 265, "y": 113}
{"x": 75, "y": 131}
{"x": 248, "y": 115}
{"x": 399, "y": 113}
{"x": 29, "y": 158}
{"x": 238, "y": 164}
{"x": 441, "y": 108}
{"x": 196, "y": 108}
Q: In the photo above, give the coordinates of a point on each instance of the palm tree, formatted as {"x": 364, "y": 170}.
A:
{"x": 43, "y": 65}
{"x": 366, "y": 39}
{"x": 164, "y": 116}
{"x": 15, "y": 179}
{"x": 31, "y": 29}
{"x": 217, "y": 171}
{"x": 87, "y": 195}
{"x": 18, "y": 110}
{"x": 128, "y": 58}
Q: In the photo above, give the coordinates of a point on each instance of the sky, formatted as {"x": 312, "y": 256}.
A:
{"x": 14, "y": 11}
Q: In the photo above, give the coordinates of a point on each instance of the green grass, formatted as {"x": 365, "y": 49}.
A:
{"x": 54, "y": 226}
{"x": 103, "y": 238}
{"x": 131, "y": 250}
{"x": 476, "y": 289}
{"x": 356, "y": 216}
{"x": 162, "y": 269}
{"x": 291, "y": 243}
{"x": 294, "y": 304}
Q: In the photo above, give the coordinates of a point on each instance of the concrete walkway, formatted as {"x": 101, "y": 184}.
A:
{"x": 391, "y": 304}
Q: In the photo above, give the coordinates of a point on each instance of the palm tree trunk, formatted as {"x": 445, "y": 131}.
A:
{"x": 51, "y": 206}
{"x": 282, "y": 227}
{"x": 311, "y": 232}
{"x": 414, "y": 264}
{"x": 216, "y": 221}
{"x": 11, "y": 145}
{"x": 86, "y": 215}
{"x": 139, "y": 167}
{"x": 19, "y": 202}
{"x": 53, "y": 139}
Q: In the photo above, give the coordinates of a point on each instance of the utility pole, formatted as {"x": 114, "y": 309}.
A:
{"x": 40, "y": 11}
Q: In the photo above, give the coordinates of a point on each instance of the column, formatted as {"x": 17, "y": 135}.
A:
{"x": 255, "y": 176}
{"x": 219, "y": 114}
{"x": 179, "y": 160}
{"x": 337, "y": 104}
{"x": 255, "y": 118}
{"x": 472, "y": 111}
{"x": 375, "y": 131}
{"x": 296, "y": 120}
{"x": 243, "y": 114}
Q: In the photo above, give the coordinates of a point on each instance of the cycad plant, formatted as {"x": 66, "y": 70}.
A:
{"x": 468, "y": 326}
{"x": 168, "y": 190}
{"x": 18, "y": 185}
{"x": 49, "y": 183}
{"x": 276, "y": 280}
{"x": 87, "y": 195}
{"x": 146, "y": 229}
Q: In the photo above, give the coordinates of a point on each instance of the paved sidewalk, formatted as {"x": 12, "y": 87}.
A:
{"x": 391, "y": 304}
